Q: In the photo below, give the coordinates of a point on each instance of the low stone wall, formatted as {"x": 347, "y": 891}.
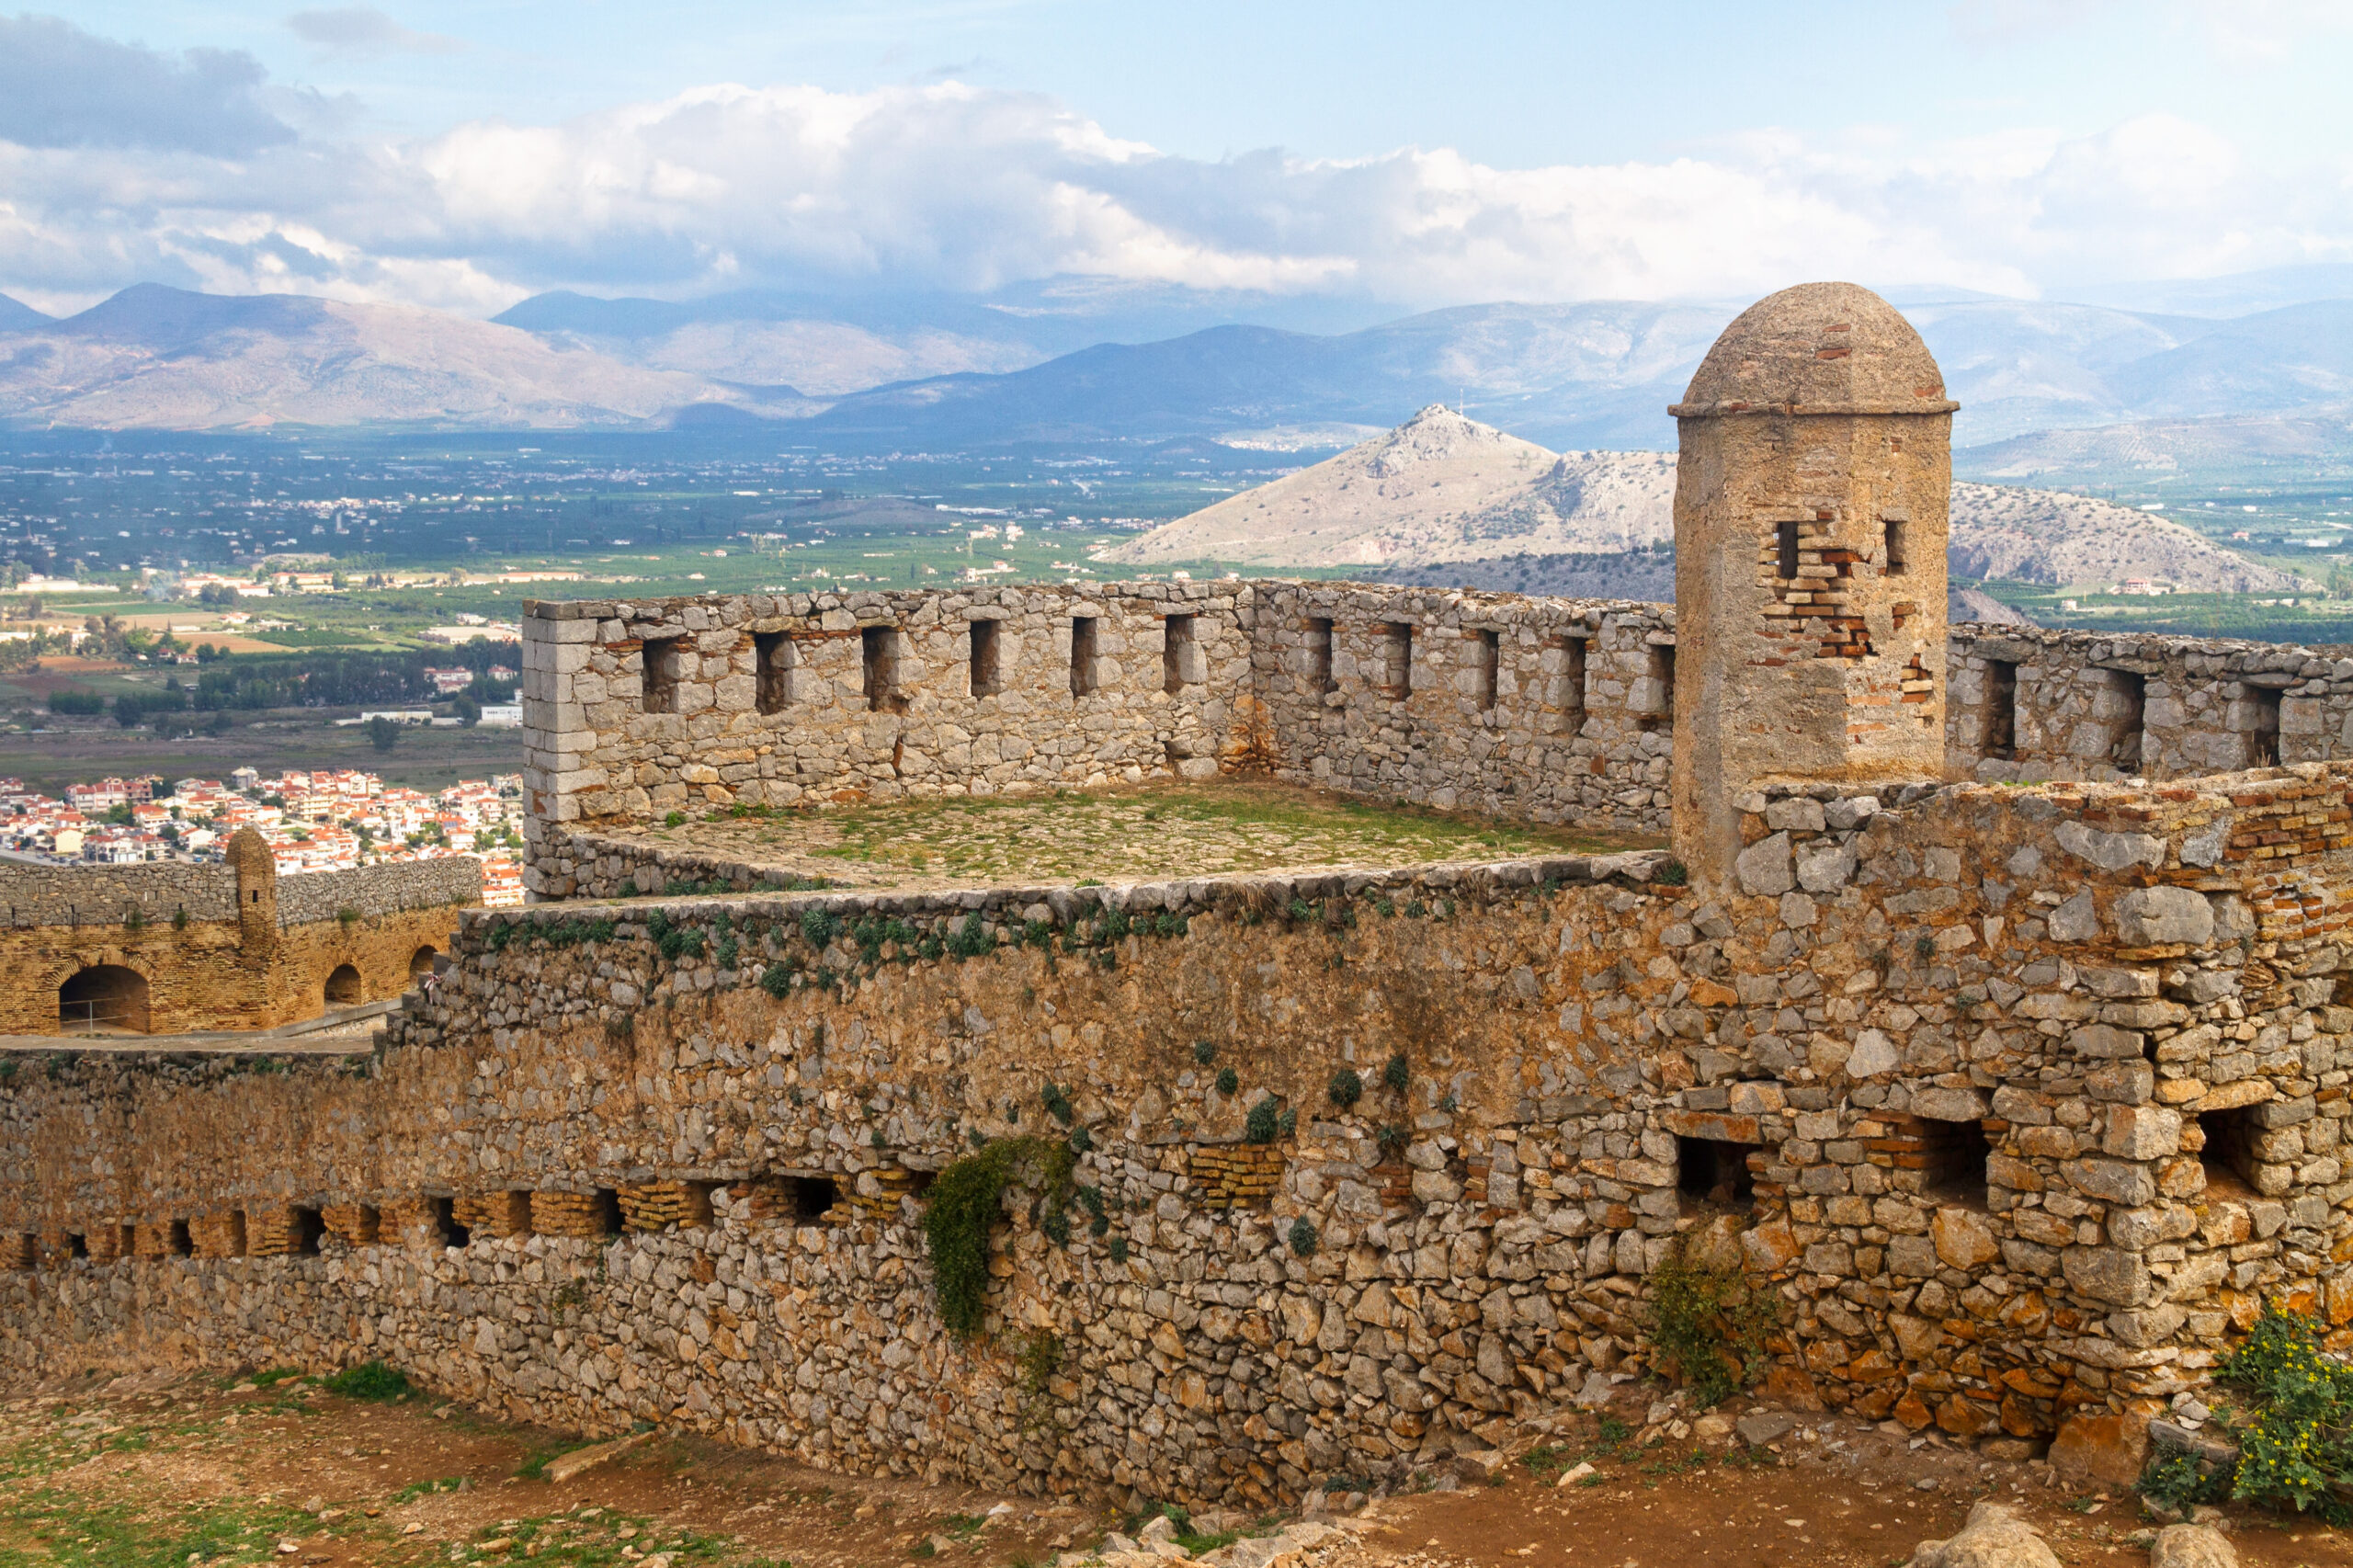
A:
{"x": 2035, "y": 704}
{"x": 2016, "y": 1101}
{"x": 450, "y": 882}
{"x": 108, "y": 895}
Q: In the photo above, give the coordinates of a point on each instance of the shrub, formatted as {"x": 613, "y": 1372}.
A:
{"x": 775, "y": 980}
{"x": 369, "y": 1380}
{"x": 820, "y": 927}
{"x": 1228, "y": 1081}
{"x": 1711, "y": 1327}
{"x": 1262, "y": 1124}
{"x": 1303, "y": 1236}
{"x": 1346, "y": 1088}
{"x": 971, "y": 939}
{"x": 963, "y": 1206}
{"x": 1057, "y": 1103}
{"x": 1204, "y": 1051}
{"x": 2298, "y": 1446}
{"x": 1397, "y": 1075}
{"x": 675, "y": 819}
{"x": 1671, "y": 874}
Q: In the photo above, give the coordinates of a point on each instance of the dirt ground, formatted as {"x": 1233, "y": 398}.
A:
{"x": 144, "y": 1473}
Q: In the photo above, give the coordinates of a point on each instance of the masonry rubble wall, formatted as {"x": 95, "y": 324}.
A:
{"x": 2033, "y": 704}
{"x": 111, "y": 896}
{"x": 2037, "y": 1094}
{"x": 1548, "y": 710}
{"x": 1544, "y": 709}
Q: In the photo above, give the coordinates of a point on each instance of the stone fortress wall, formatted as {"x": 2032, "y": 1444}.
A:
{"x": 1548, "y": 710}
{"x": 170, "y": 948}
{"x": 2019, "y": 1098}
{"x": 2040, "y": 704}
{"x": 2022, "y": 1098}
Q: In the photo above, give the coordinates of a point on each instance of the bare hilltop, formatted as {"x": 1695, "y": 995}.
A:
{"x": 1445, "y": 490}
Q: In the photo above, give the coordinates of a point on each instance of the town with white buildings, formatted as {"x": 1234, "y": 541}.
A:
{"x": 324, "y": 820}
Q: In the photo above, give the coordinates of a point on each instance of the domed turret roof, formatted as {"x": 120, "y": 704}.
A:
{"x": 1818, "y": 348}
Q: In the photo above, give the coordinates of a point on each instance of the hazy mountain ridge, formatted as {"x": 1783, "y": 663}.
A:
{"x": 1442, "y": 490}
{"x": 953, "y": 371}
{"x": 162, "y": 357}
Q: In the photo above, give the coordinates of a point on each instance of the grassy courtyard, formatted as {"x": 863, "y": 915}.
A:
{"x": 1145, "y": 834}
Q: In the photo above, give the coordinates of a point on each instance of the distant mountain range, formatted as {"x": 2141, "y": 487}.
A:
{"x": 1080, "y": 360}
{"x": 1444, "y": 492}
{"x": 159, "y": 357}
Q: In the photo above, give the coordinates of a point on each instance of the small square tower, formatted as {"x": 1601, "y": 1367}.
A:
{"x": 1811, "y": 490}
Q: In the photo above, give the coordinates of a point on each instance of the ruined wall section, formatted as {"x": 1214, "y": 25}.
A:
{"x": 2029, "y": 704}
{"x": 1543, "y": 710}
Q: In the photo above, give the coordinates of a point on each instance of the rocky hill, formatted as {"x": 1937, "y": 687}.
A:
{"x": 1400, "y": 494}
{"x": 1441, "y": 490}
{"x": 160, "y": 358}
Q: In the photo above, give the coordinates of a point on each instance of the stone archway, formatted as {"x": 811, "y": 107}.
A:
{"x": 344, "y": 988}
{"x": 420, "y": 963}
{"x": 105, "y": 998}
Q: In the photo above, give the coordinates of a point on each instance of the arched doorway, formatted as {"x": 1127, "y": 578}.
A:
{"x": 420, "y": 963}
{"x": 105, "y": 998}
{"x": 344, "y": 987}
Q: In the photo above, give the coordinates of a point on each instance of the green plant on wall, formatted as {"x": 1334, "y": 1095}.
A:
{"x": 964, "y": 1205}
{"x": 1039, "y": 1358}
{"x": 1709, "y": 1325}
{"x": 1263, "y": 1123}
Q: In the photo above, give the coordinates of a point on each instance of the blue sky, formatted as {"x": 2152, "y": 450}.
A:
{"x": 464, "y": 155}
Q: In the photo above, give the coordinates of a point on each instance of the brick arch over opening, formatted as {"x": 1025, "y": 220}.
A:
{"x": 420, "y": 963}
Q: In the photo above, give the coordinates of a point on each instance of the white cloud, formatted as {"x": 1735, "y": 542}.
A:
{"x": 957, "y": 188}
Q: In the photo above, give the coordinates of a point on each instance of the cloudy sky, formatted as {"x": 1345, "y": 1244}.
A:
{"x": 466, "y": 155}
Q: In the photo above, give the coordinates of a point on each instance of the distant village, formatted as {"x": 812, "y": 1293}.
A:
{"x": 327, "y": 820}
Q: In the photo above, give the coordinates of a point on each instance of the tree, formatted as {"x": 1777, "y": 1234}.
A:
{"x": 468, "y": 711}
{"x": 383, "y": 733}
